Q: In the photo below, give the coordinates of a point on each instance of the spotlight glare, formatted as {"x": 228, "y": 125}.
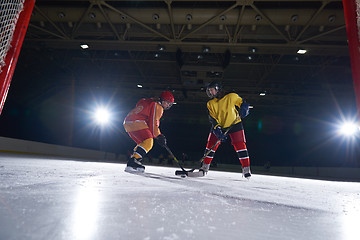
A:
{"x": 349, "y": 129}
{"x": 102, "y": 116}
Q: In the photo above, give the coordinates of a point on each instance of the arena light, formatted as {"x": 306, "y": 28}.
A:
{"x": 349, "y": 129}
{"x": 102, "y": 116}
{"x": 301, "y": 51}
{"x": 84, "y": 46}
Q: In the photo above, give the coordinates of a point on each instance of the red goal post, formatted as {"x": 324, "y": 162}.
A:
{"x": 352, "y": 19}
{"x": 14, "y": 20}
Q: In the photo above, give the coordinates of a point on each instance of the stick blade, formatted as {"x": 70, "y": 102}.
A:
{"x": 189, "y": 174}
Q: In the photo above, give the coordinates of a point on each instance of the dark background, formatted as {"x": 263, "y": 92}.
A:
{"x": 61, "y": 114}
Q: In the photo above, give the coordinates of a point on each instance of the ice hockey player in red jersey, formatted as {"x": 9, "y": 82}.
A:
{"x": 142, "y": 125}
{"x": 224, "y": 111}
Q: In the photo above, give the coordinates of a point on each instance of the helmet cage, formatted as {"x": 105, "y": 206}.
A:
{"x": 215, "y": 86}
{"x": 167, "y": 97}
{"x": 169, "y": 104}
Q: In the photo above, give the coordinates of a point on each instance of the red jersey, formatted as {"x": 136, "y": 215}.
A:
{"x": 146, "y": 114}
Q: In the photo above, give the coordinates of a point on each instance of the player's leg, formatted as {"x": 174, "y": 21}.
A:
{"x": 145, "y": 142}
{"x": 212, "y": 139}
{"x": 238, "y": 141}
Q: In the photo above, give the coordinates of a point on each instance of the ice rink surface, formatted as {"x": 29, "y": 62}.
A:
{"x": 49, "y": 198}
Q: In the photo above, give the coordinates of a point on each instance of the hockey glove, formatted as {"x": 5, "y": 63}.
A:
{"x": 244, "y": 109}
{"x": 219, "y": 134}
{"x": 161, "y": 139}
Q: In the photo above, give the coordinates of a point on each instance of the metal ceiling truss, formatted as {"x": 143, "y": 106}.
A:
{"x": 165, "y": 25}
{"x": 183, "y": 44}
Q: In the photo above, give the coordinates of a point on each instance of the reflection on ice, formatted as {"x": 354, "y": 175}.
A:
{"x": 86, "y": 211}
{"x": 351, "y": 219}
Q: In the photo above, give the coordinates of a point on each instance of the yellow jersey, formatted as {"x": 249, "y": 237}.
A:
{"x": 223, "y": 110}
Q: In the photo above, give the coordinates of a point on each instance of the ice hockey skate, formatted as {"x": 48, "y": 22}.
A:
{"x": 134, "y": 165}
{"x": 204, "y": 168}
{"x": 246, "y": 172}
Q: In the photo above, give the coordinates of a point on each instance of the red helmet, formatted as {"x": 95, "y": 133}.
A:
{"x": 167, "y": 96}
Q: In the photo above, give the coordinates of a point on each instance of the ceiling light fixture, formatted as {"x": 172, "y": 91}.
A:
{"x": 332, "y": 18}
{"x": 206, "y": 49}
{"x": 252, "y": 49}
{"x": 84, "y": 46}
{"x": 92, "y": 15}
{"x": 294, "y": 18}
{"x": 161, "y": 48}
{"x": 61, "y": 15}
{"x": 301, "y": 51}
{"x": 156, "y": 16}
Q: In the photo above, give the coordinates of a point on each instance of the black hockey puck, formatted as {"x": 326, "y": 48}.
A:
{"x": 180, "y": 172}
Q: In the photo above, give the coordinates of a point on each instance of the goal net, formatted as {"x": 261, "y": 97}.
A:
{"x": 10, "y": 11}
{"x": 14, "y": 19}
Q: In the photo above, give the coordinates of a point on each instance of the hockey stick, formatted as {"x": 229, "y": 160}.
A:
{"x": 217, "y": 142}
{"x": 173, "y": 156}
{"x": 191, "y": 172}
{"x": 184, "y": 172}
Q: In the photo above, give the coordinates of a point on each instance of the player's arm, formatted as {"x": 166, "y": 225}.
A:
{"x": 213, "y": 121}
{"x": 238, "y": 101}
{"x": 211, "y": 112}
{"x": 216, "y": 128}
{"x": 242, "y": 107}
{"x": 154, "y": 119}
{"x": 158, "y": 112}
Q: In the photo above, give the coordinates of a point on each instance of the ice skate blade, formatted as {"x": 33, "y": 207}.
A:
{"x": 134, "y": 170}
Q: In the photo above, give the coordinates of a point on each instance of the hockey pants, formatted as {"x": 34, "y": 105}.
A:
{"x": 144, "y": 140}
{"x": 238, "y": 141}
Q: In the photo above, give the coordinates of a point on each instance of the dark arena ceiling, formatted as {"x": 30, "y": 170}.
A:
{"x": 181, "y": 45}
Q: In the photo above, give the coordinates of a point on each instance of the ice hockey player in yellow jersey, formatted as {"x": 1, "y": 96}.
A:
{"x": 225, "y": 111}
